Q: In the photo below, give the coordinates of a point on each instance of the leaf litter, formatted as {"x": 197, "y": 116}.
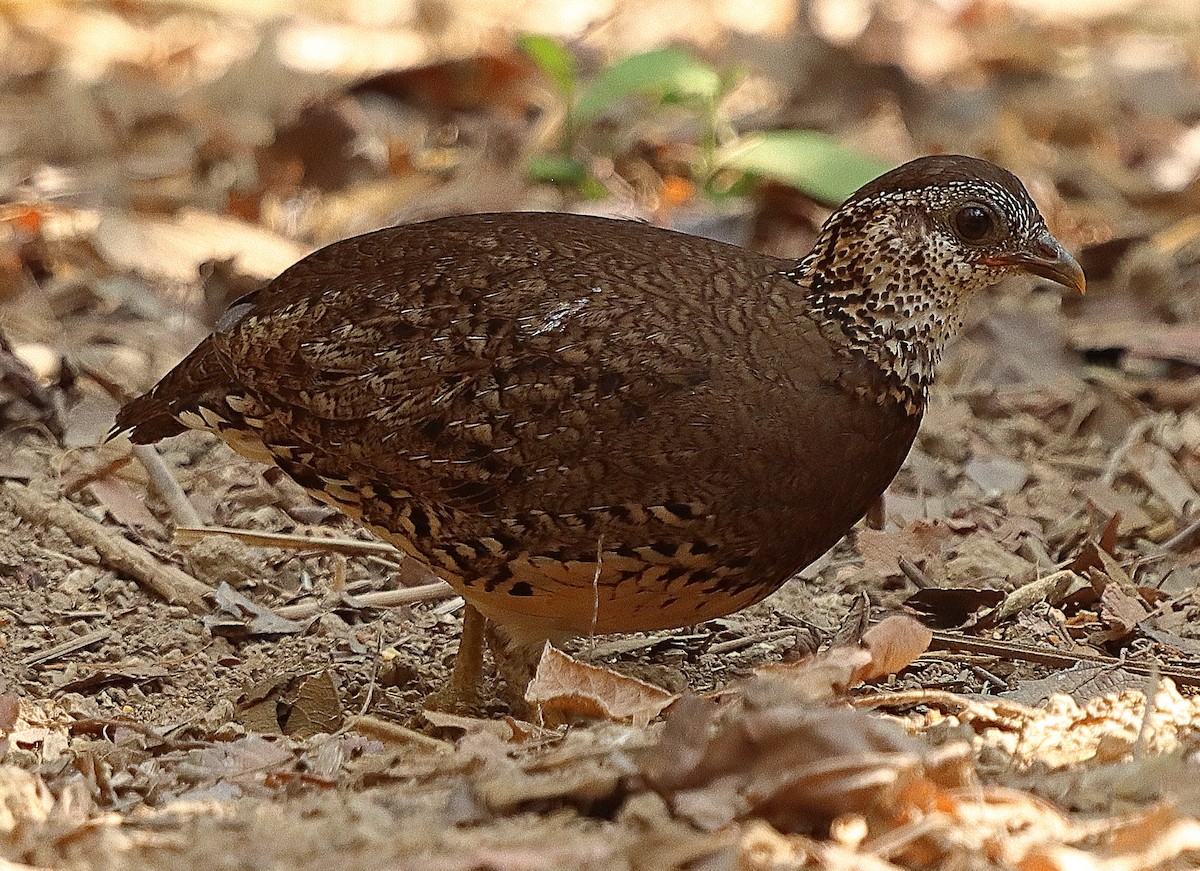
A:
{"x": 181, "y": 705}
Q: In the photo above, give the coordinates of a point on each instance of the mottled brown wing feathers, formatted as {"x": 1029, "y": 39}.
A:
{"x": 483, "y": 355}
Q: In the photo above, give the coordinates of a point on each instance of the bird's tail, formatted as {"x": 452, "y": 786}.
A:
{"x": 194, "y": 384}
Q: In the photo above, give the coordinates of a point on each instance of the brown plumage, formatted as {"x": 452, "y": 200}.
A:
{"x": 588, "y": 425}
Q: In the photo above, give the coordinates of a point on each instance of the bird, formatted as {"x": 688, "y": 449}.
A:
{"x": 588, "y": 425}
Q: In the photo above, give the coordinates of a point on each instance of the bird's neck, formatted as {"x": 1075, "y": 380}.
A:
{"x": 880, "y": 297}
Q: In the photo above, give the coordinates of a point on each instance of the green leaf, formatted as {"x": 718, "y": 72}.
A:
{"x": 557, "y": 169}
{"x": 812, "y": 162}
{"x": 552, "y": 58}
{"x": 667, "y": 73}
{"x": 566, "y": 172}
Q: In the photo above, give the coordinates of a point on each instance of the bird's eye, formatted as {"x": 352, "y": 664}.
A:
{"x": 974, "y": 223}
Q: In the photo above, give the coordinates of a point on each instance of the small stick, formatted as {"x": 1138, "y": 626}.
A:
{"x": 381, "y": 599}
{"x": 370, "y": 694}
{"x": 1046, "y": 656}
{"x": 165, "y": 485}
{"x": 913, "y": 572}
{"x": 67, "y": 647}
{"x": 1181, "y": 540}
{"x": 722, "y": 647}
{"x": 993, "y": 679}
{"x": 287, "y": 541}
{"x": 1135, "y": 432}
{"x": 395, "y": 733}
{"x": 175, "y": 586}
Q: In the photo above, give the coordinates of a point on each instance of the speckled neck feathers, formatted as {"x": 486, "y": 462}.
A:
{"x": 885, "y": 299}
{"x": 894, "y": 282}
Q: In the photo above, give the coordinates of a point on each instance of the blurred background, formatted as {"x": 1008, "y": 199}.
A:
{"x": 317, "y": 120}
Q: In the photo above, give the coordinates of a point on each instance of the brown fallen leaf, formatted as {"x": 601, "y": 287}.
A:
{"x": 259, "y": 708}
{"x": 122, "y": 503}
{"x": 1121, "y": 612}
{"x": 117, "y": 675}
{"x": 1154, "y": 465}
{"x": 1121, "y": 504}
{"x": 250, "y": 764}
{"x": 507, "y": 730}
{"x": 1081, "y": 684}
{"x": 774, "y": 754}
{"x": 997, "y": 474}
{"x": 1093, "y": 556}
{"x": 10, "y": 709}
{"x": 894, "y": 643}
{"x": 918, "y": 541}
{"x": 1054, "y": 588}
{"x": 565, "y": 686}
{"x": 317, "y": 708}
{"x": 885, "y": 648}
{"x": 174, "y": 247}
{"x": 249, "y": 617}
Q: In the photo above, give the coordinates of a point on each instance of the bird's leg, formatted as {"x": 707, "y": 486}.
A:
{"x": 462, "y": 691}
{"x": 877, "y": 513}
{"x": 516, "y": 656}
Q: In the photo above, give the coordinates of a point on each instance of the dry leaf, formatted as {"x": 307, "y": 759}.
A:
{"x": 10, "y": 709}
{"x": 123, "y": 503}
{"x": 825, "y": 675}
{"x": 1158, "y": 471}
{"x": 882, "y": 550}
{"x": 885, "y": 648}
{"x": 508, "y": 729}
{"x": 1082, "y": 683}
{"x": 1053, "y": 588}
{"x": 1117, "y": 503}
{"x": 141, "y": 675}
{"x": 773, "y": 754}
{"x": 1121, "y": 611}
{"x": 175, "y": 247}
{"x": 894, "y": 643}
{"x": 317, "y": 708}
{"x": 564, "y": 685}
{"x": 997, "y": 474}
{"x": 262, "y": 621}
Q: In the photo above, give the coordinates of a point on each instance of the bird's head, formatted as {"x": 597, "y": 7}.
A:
{"x": 895, "y": 264}
{"x": 968, "y": 220}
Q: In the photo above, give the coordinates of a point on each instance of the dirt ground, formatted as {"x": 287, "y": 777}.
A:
{"x": 250, "y": 694}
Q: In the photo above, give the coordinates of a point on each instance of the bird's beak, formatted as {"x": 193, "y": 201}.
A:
{"x": 1047, "y": 258}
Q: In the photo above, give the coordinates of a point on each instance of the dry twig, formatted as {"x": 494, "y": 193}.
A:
{"x": 381, "y": 599}
{"x": 117, "y": 552}
{"x": 66, "y": 648}
{"x": 1059, "y": 658}
{"x": 164, "y": 483}
{"x": 287, "y": 541}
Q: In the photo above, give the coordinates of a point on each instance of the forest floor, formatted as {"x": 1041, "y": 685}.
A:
{"x": 212, "y": 699}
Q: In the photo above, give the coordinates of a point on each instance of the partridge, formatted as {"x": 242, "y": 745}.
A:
{"x": 588, "y": 425}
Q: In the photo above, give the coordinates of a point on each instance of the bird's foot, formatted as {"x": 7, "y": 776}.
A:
{"x": 515, "y": 654}
{"x": 516, "y": 660}
{"x": 462, "y": 693}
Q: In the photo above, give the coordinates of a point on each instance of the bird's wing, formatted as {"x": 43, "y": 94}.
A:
{"x": 479, "y": 358}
